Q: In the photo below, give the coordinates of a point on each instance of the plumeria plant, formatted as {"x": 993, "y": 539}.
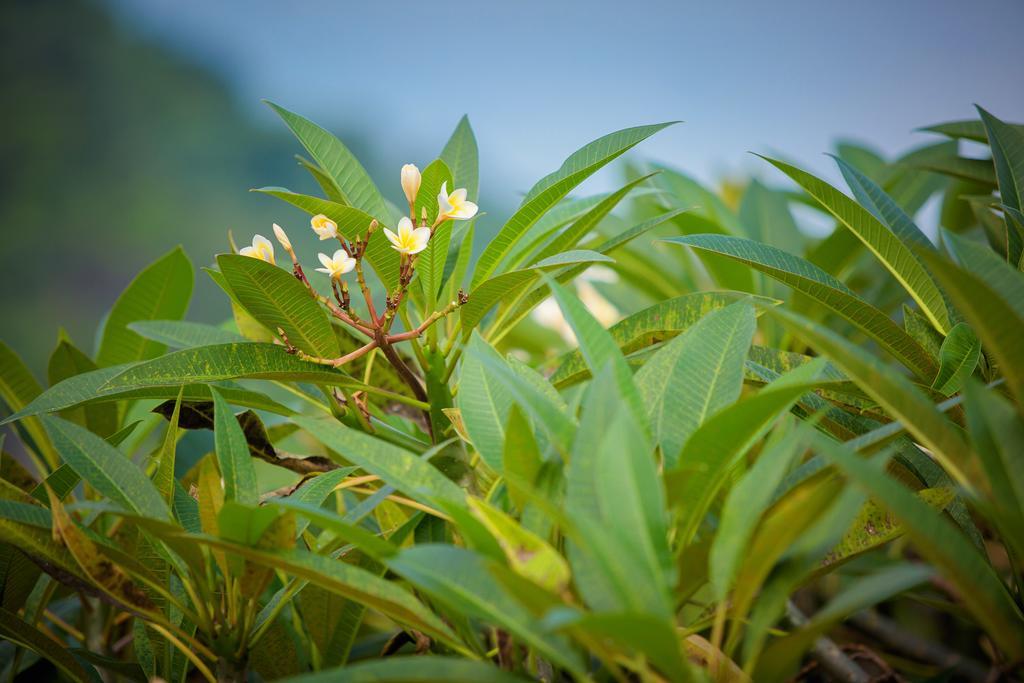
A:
{"x": 784, "y": 458}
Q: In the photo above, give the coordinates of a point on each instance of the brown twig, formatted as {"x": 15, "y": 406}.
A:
{"x": 828, "y": 654}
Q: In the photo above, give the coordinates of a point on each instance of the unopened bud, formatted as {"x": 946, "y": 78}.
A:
{"x": 411, "y": 182}
{"x": 282, "y": 237}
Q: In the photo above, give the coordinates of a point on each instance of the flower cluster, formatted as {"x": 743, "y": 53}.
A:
{"x": 409, "y": 239}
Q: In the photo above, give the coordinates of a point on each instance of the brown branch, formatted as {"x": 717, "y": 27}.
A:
{"x": 828, "y": 654}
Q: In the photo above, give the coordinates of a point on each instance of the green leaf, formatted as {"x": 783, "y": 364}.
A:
{"x": 160, "y": 292}
{"x": 886, "y": 246}
{"x": 599, "y": 349}
{"x": 431, "y": 261}
{"x": 1007, "y": 144}
{"x": 549, "y": 190}
{"x": 651, "y": 326}
{"x": 528, "y": 555}
{"x": 805, "y": 277}
{"x": 585, "y": 224}
{"x": 715, "y": 448}
{"x": 969, "y": 129}
{"x": 344, "y": 579}
{"x": 616, "y": 542}
{"x": 521, "y": 458}
{"x": 766, "y": 214}
{"x": 67, "y": 361}
{"x": 507, "y": 285}
{"x": 106, "y": 469}
{"x": 484, "y": 402}
{"x": 163, "y": 477}
{"x": 181, "y": 334}
{"x": 351, "y": 223}
{"x": 874, "y": 526}
{"x": 461, "y": 580}
{"x": 975, "y": 171}
{"x": 222, "y": 362}
{"x": 938, "y": 541}
{"x": 396, "y": 466}
{"x": 432, "y": 669}
{"x": 233, "y": 458}
{"x": 895, "y": 393}
{"x": 278, "y": 300}
{"x": 337, "y": 162}
{"x": 744, "y": 505}
{"x": 91, "y": 387}
{"x": 984, "y": 264}
{"x": 990, "y": 315}
{"x": 564, "y": 275}
{"x": 996, "y": 432}
{"x": 695, "y": 375}
{"x": 462, "y": 157}
{"x": 22, "y": 634}
{"x": 642, "y": 633}
{"x": 957, "y": 359}
{"x": 783, "y": 656}
{"x": 884, "y": 207}
{"x": 538, "y": 399}
{"x": 19, "y": 389}
{"x": 433, "y": 177}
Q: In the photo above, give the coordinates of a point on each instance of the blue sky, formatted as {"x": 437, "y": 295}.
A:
{"x": 539, "y": 79}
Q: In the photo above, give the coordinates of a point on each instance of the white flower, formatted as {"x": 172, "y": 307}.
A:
{"x": 454, "y": 205}
{"x": 261, "y": 248}
{"x": 336, "y": 265}
{"x": 324, "y": 226}
{"x": 282, "y": 237}
{"x": 409, "y": 240}
{"x": 411, "y": 182}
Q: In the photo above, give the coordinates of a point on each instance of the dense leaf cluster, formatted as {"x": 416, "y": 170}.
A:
{"x": 787, "y": 457}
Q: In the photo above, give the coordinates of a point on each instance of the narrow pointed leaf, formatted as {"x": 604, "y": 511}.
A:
{"x": 462, "y": 157}
{"x": 943, "y": 545}
{"x": 351, "y": 179}
{"x": 105, "y": 468}
{"x": 805, "y": 277}
{"x": 552, "y": 188}
{"x": 883, "y": 243}
{"x": 278, "y": 300}
{"x": 233, "y": 457}
{"x": 695, "y": 375}
{"x": 160, "y": 292}
{"x": 957, "y": 359}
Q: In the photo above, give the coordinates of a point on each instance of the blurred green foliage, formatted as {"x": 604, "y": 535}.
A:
{"x": 114, "y": 150}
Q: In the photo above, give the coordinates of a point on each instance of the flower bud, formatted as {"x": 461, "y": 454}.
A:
{"x": 279, "y": 233}
{"x": 411, "y": 181}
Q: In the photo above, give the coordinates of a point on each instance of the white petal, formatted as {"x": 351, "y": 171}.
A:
{"x": 404, "y": 227}
{"x": 392, "y": 237}
{"x": 324, "y": 270}
{"x": 325, "y": 259}
{"x": 421, "y": 234}
{"x": 443, "y": 205}
{"x": 248, "y": 251}
{"x": 458, "y": 196}
{"x": 347, "y": 265}
{"x": 466, "y": 211}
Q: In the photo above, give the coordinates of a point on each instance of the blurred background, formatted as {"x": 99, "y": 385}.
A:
{"x": 130, "y": 126}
